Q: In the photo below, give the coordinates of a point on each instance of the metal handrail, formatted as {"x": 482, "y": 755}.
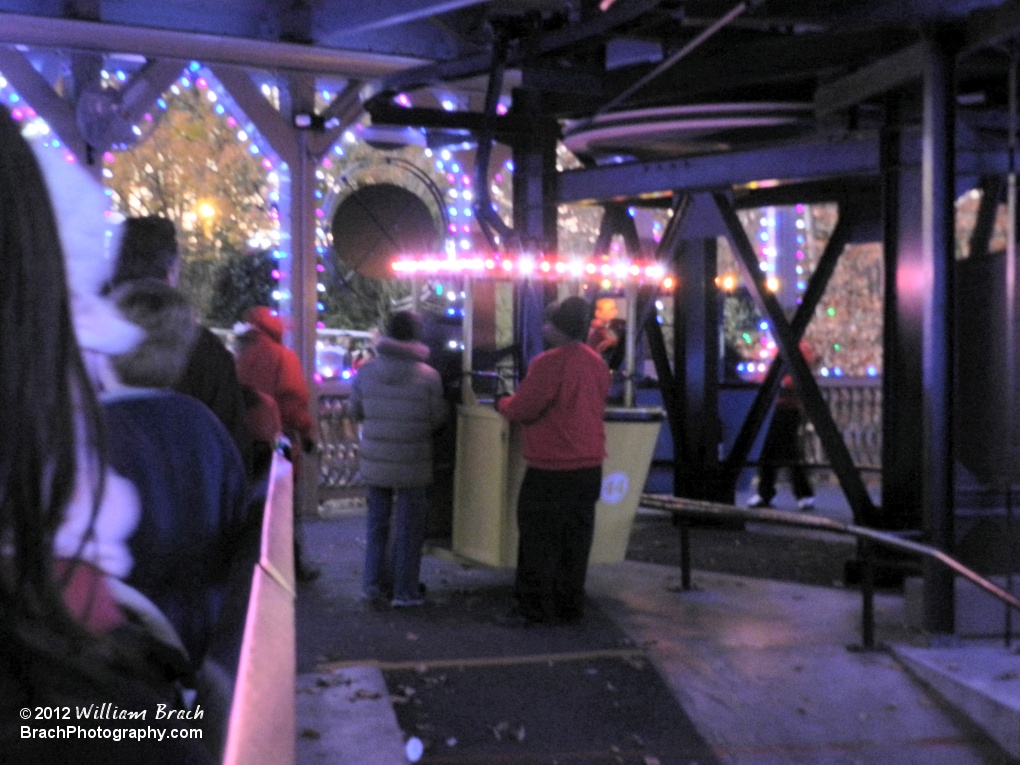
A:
{"x": 692, "y": 510}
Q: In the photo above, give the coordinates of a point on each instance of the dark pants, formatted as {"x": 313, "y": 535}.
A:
{"x": 555, "y": 522}
{"x": 782, "y": 447}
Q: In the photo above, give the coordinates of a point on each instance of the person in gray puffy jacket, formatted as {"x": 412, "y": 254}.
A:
{"x": 398, "y": 398}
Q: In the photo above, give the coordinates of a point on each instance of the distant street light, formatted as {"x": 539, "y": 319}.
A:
{"x": 206, "y": 212}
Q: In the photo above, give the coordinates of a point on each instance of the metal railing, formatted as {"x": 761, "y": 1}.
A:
{"x": 687, "y": 512}
{"x": 856, "y": 407}
{"x": 262, "y": 723}
{"x": 337, "y": 485}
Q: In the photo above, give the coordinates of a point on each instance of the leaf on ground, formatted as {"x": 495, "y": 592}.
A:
{"x": 365, "y": 693}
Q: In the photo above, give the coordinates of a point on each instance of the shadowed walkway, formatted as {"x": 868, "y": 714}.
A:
{"x": 742, "y": 671}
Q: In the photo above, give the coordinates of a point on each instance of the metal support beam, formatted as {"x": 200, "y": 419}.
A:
{"x": 847, "y": 161}
{"x": 838, "y": 240}
{"x": 672, "y": 394}
{"x": 991, "y": 196}
{"x": 696, "y": 338}
{"x": 146, "y": 85}
{"x": 274, "y": 126}
{"x": 938, "y": 253}
{"x": 353, "y": 18}
{"x": 535, "y": 177}
{"x": 534, "y": 189}
{"x": 848, "y": 158}
{"x": 344, "y": 109}
{"x": 68, "y": 34}
{"x": 34, "y": 88}
{"x": 890, "y": 73}
{"x": 298, "y": 224}
{"x": 902, "y": 437}
{"x": 993, "y": 27}
{"x": 471, "y": 66}
{"x": 803, "y": 379}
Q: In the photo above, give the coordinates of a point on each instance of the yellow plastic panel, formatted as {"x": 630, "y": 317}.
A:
{"x": 629, "y": 448}
{"x": 483, "y": 525}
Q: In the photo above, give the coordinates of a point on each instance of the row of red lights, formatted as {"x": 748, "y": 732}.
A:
{"x": 501, "y": 266}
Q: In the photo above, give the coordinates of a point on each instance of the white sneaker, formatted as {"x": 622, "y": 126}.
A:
{"x": 407, "y": 602}
{"x": 806, "y": 503}
{"x": 757, "y": 501}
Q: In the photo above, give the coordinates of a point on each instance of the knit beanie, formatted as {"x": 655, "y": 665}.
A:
{"x": 404, "y": 326}
{"x": 148, "y": 249}
{"x": 572, "y": 317}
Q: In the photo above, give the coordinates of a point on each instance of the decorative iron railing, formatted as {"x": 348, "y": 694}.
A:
{"x": 338, "y": 444}
{"x": 855, "y": 403}
{"x": 856, "y": 406}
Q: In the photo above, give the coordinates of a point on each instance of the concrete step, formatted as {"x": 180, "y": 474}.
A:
{"x": 345, "y": 717}
{"x": 980, "y": 680}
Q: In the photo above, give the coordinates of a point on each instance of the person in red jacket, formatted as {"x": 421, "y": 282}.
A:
{"x": 267, "y": 366}
{"x": 560, "y": 406}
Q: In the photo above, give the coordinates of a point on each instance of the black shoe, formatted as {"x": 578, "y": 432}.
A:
{"x": 516, "y": 620}
{"x": 304, "y": 574}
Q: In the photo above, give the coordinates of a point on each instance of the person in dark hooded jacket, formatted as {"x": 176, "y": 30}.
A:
{"x": 148, "y": 250}
{"x": 399, "y": 400}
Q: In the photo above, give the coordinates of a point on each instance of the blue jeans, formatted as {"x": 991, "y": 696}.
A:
{"x": 394, "y": 560}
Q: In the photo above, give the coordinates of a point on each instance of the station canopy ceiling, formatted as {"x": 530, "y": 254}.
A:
{"x": 626, "y": 80}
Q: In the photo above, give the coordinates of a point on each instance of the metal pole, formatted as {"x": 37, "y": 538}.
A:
{"x": 685, "y": 556}
{"x": 303, "y": 312}
{"x": 467, "y": 390}
{"x": 671, "y": 61}
{"x": 1010, "y": 310}
{"x": 416, "y": 293}
{"x": 73, "y": 34}
{"x": 937, "y": 237}
{"x": 867, "y": 594}
{"x": 630, "y": 345}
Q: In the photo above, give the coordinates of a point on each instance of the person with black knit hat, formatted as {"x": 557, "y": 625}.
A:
{"x": 560, "y": 405}
{"x": 148, "y": 250}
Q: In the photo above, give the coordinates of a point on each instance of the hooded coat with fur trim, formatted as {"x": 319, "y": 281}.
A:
{"x": 399, "y": 399}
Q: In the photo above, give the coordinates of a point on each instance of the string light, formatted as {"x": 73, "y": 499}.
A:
{"x": 196, "y": 76}
{"x": 545, "y": 267}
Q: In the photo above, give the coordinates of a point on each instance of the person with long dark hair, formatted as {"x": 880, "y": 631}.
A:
{"x": 64, "y": 643}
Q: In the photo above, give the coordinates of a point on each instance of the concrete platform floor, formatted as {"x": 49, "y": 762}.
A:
{"x": 756, "y": 672}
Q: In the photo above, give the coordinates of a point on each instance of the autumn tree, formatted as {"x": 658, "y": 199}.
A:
{"x": 194, "y": 169}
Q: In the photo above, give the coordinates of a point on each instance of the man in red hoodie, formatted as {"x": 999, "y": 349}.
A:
{"x": 266, "y": 365}
{"x": 560, "y": 405}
